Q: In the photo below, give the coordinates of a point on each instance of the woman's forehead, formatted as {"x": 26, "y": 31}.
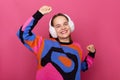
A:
{"x": 60, "y": 19}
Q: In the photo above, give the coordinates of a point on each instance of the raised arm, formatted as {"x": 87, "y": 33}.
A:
{"x": 30, "y": 40}
{"x": 88, "y": 61}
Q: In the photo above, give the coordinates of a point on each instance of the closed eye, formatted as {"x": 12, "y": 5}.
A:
{"x": 57, "y": 26}
{"x": 65, "y": 23}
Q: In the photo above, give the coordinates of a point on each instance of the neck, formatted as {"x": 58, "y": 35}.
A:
{"x": 64, "y": 40}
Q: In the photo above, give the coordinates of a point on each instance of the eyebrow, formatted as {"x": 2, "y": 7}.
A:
{"x": 59, "y": 24}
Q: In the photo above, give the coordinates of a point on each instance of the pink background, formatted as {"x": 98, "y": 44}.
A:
{"x": 96, "y": 21}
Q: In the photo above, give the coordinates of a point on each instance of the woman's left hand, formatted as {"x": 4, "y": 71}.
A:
{"x": 91, "y": 48}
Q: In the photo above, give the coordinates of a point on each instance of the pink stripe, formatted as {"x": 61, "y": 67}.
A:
{"x": 37, "y": 47}
{"x": 48, "y": 73}
{"x": 89, "y": 61}
{"x": 26, "y": 23}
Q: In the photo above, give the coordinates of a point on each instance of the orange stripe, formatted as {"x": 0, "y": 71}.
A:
{"x": 34, "y": 42}
{"x": 77, "y": 48}
{"x": 66, "y": 61}
{"x": 39, "y": 54}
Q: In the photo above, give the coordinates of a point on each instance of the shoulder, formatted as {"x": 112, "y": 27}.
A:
{"x": 77, "y": 45}
{"x": 51, "y": 42}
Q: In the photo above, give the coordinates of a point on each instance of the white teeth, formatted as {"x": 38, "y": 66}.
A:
{"x": 63, "y": 32}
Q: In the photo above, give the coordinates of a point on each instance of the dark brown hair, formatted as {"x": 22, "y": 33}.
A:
{"x": 59, "y": 14}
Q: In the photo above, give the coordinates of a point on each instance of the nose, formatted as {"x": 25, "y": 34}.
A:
{"x": 63, "y": 27}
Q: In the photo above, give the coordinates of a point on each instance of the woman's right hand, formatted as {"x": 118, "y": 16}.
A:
{"x": 45, "y": 9}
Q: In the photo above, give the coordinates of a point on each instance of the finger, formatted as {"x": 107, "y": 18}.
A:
{"x": 88, "y": 47}
{"x": 50, "y": 8}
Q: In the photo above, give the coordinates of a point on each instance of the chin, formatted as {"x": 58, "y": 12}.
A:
{"x": 64, "y": 36}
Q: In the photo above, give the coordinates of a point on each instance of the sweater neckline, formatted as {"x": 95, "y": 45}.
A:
{"x": 64, "y": 43}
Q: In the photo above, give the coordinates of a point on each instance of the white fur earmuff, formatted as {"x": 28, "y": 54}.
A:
{"x": 52, "y": 29}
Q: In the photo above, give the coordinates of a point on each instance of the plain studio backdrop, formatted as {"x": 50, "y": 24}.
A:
{"x": 96, "y": 22}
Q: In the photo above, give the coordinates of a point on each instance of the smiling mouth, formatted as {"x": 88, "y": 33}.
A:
{"x": 64, "y": 32}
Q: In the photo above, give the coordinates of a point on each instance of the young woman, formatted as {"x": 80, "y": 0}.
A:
{"x": 59, "y": 58}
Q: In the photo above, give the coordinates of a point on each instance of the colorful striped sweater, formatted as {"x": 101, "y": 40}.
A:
{"x": 56, "y": 60}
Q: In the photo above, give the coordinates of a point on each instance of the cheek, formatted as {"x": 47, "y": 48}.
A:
{"x": 69, "y": 29}
{"x": 57, "y": 30}
{"x": 69, "y": 32}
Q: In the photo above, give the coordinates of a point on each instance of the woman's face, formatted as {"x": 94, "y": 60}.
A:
{"x": 62, "y": 27}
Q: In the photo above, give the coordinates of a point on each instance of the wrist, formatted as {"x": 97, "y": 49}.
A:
{"x": 37, "y": 15}
{"x": 92, "y": 54}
